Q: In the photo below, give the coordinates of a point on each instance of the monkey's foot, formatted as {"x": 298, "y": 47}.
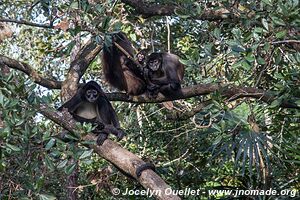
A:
{"x": 120, "y": 134}
{"x": 143, "y": 167}
{"x": 101, "y": 138}
{"x": 152, "y": 95}
{"x": 152, "y": 87}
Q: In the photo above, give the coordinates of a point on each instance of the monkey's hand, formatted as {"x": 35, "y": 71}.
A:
{"x": 120, "y": 134}
{"x": 152, "y": 87}
{"x": 143, "y": 167}
{"x": 101, "y": 138}
{"x": 100, "y": 126}
{"x": 175, "y": 86}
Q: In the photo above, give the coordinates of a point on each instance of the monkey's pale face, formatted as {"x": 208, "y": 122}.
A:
{"x": 91, "y": 95}
{"x": 154, "y": 64}
{"x": 140, "y": 57}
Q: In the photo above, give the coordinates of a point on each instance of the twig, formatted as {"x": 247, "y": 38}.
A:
{"x": 26, "y": 23}
{"x": 285, "y": 41}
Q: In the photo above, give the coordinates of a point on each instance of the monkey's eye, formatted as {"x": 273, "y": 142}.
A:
{"x": 94, "y": 92}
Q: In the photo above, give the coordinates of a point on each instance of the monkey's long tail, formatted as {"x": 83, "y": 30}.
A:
{"x": 112, "y": 68}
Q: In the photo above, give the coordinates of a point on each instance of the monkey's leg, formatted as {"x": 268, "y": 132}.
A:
{"x": 152, "y": 91}
{"x": 168, "y": 91}
{"x": 143, "y": 167}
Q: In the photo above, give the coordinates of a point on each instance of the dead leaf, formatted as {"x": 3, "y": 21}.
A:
{"x": 63, "y": 25}
{"x": 168, "y": 104}
{"x": 5, "y": 32}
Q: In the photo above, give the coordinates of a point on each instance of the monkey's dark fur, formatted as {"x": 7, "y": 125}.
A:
{"x": 119, "y": 70}
{"x": 163, "y": 73}
{"x": 91, "y": 105}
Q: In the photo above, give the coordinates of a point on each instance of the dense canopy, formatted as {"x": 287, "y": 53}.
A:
{"x": 235, "y": 126}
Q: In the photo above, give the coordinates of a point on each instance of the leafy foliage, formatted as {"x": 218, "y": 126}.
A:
{"x": 244, "y": 143}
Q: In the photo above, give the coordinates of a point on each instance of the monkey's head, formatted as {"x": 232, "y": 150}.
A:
{"x": 92, "y": 91}
{"x": 91, "y": 95}
{"x": 141, "y": 56}
{"x": 154, "y": 61}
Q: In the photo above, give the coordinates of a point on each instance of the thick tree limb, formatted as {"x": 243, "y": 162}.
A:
{"x": 115, "y": 154}
{"x": 155, "y": 9}
{"x": 36, "y": 77}
{"x": 81, "y": 62}
{"x": 230, "y": 91}
{"x": 176, "y": 115}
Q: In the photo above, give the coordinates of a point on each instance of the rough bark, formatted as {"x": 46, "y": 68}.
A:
{"x": 114, "y": 153}
{"x": 78, "y": 66}
{"x": 231, "y": 92}
{"x": 33, "y": 74}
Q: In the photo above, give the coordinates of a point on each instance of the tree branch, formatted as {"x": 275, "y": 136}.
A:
{"x": 156, "y": 9}
{"x": 26, "y": 23}
{"x": 81, "y": 62}
{"x": 285, "y": 42}
{"x": 114, "y": 153}
{"x": 36, "y": 77}
{"x": 176, "y": 115}
{"x": 232, "y": 92}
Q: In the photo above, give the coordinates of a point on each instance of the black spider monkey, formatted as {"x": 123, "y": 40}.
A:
{"x": 91, "y": 105}
{"x": 162, "y": 72}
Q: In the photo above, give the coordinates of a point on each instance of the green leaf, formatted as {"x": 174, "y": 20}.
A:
{"x": 99, "y": 8}
{"x": 74, "y": 5}
{"x": 281, "y": 34}
{"x": 62, "y": 164}
{"x": 261, "y": 61}
{"x": 49, "y": 162}
{"x": 21, "y": 121}
{"x": 47, "y": 197}
{"x": 1, "y": 99}
{"x": 181, "y": 14}
{"x": 86, "y": 154}
{"x": 275, "y": 103}
{"x": 246, "y": 65}
{"x": 50, "y": 144}
{"x": 268, "y": 2}
{"x": 278, "y": 21}
{"x": 238, "y": 48}
{"x": 250, "y": 58}
{"x": 70, "y": 169}
{"x": 265, "y": 24}
{"x": 186, "y": 62}
{"x": 105, "y": 23}
{"x": 13, "y": 147}
{"x": 133, "y": 37}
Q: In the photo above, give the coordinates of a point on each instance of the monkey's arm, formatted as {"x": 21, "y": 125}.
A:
{"x": 73, "y": 103}
{"x": 107, "y": 115}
